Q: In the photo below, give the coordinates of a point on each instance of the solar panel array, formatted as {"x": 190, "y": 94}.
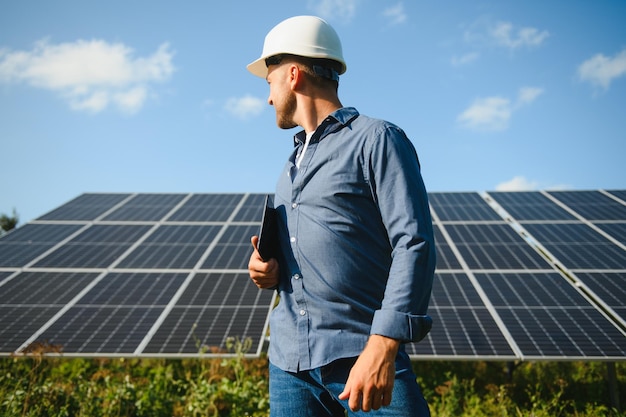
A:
{"x": 520, "y": 276}
{"x": 134, "y": 274}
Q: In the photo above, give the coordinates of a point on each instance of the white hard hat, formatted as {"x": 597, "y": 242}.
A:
{"x": 307, "y": 36}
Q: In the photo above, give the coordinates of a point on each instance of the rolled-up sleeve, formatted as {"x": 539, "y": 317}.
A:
{"x": 396, "y": 181}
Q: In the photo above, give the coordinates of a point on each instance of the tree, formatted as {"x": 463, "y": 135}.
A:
{"x": 8, "y": 223}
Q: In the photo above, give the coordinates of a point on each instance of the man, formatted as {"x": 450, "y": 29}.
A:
{"x": 357, "y": 250}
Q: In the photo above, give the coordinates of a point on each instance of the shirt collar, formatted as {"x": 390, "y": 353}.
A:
{"x": 342, "y": 116}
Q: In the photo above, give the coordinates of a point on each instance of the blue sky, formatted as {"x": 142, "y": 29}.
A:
{"x": 153, "y": 96}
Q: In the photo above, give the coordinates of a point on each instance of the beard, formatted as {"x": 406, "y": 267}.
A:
{"x": 284, "y": 114}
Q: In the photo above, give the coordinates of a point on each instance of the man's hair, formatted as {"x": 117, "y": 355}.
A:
{"x": 322, "y": 72}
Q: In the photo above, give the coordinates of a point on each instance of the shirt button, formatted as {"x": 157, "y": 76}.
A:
{"x": 293, "y": 239}
{"x": 302, "y": 312}
{"x": 296, "y": 276}
{"x": 294, "y": 205}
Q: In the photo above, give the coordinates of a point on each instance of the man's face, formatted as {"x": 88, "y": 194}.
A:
{"x": 281, "y": 96}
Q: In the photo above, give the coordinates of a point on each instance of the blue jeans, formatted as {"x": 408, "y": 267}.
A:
{"x": 314, "y": 393}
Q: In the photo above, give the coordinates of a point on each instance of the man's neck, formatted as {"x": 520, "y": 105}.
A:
{"x": 316, "y": 112}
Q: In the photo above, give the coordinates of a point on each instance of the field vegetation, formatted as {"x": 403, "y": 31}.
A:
{"x": 55, "y": 386}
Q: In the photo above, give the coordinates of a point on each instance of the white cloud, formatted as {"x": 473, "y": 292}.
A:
{"x": 395, "y": 14}
{"x": 494, "y": 113}
{"x": 601, "y": 70}
{"x": 527, "y": 95}
{"x": 521, "y": 183}
{"x": 483, "y": 32}
{"x": 244, "y": 107}
{"x": 90, "y": 75}
{"x": 503, "y": 33}
{"x": 491, "y": 113}
{"x": 132, "y": 100}
{"x": 518, "y": 183}
{"x": 327, "y": 9}
{"x": 458, "y": 61}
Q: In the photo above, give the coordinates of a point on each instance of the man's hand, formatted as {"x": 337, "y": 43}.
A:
{"x": 371, "y": 379}
{"x": 263, "y": 274}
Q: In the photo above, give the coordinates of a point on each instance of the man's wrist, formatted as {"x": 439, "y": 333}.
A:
{"x": 389, "y": 345}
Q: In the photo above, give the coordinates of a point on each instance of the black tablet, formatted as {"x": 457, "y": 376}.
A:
{"x": 268, "y": 235}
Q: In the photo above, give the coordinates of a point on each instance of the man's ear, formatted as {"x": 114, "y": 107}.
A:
{"x": 295, "y": 76}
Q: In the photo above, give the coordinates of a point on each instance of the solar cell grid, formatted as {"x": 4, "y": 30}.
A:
{"x": 616, "y": 230}
{"x": 146, "y": 207}
{"x": 462, "y": 324}
{"x": 85, "y": 207}
{"x": 97, "y": 247}
{"x": 609, "y": 286}
{"x": 494, "y": 246}
{"x": 252, "y": 209}
{"x": 462, "y": 207}
{"x": 621, "y": 194}
{"x": 134, "y": 289}
{"x": 547, "y": 316}
{"x": 43, "y": 288}
{"x": 529, "y": 290}
{"x": 20, "y": 323}
{"x": 568, "y": 332}
{"x": 592, "y": 205}
{"x": 454, "y": 290}
{"x": 101, "y": 329}
{"x": 207, "y": 207}
{"x": 174, "y": 247}
{"x": 463, "y": 332}
{"x": 40, "y": 233}
{"x": 446, "y": 259}
{"x": 233, "y": 249}
{"x": 26, "y": 243}
{"x": 192, "y": 330}
{"x": 578, "y": 246}
{"x": 223, "y": 289}
{"x": 530, "y": 205}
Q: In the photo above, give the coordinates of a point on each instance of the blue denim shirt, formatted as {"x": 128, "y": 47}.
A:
{"x": 358, "y": 254}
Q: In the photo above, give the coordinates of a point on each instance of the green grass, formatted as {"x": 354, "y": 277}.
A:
{"x": 37, "y": 385}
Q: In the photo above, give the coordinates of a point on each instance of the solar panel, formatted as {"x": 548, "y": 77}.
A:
{"x": 105, "y": 274}
{"x": 592, "y": 205}
{"x": 171, "y": 247}
{"x": 209, "y": 311}
{"x": 616, "y": 230}
{"x": 529, "y": 304}
{"x": 96, "y": 247}
{"x": 548, "y": 317}
{"x": 621, "y": 194}
{"x": 494, "y": 246}
{"x": 530, "y": 206}
{"x": 446, "y": 259}
{"x": 30, "y": 299}
{"x": 86, "y": 207}
{"x": 463, "y": 326}
{"x": 461, "y": 207}
{"x": 146, "y": 207}
{"x": 578, "y": 246}
{"x": 610, "y": 287}
{"x": 124, "y": 274}
{"x": 26, "y": 243}
{"x": 207, "y": 207}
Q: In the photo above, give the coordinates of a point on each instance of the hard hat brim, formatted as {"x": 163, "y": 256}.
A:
{"x": 258, "y": 68}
